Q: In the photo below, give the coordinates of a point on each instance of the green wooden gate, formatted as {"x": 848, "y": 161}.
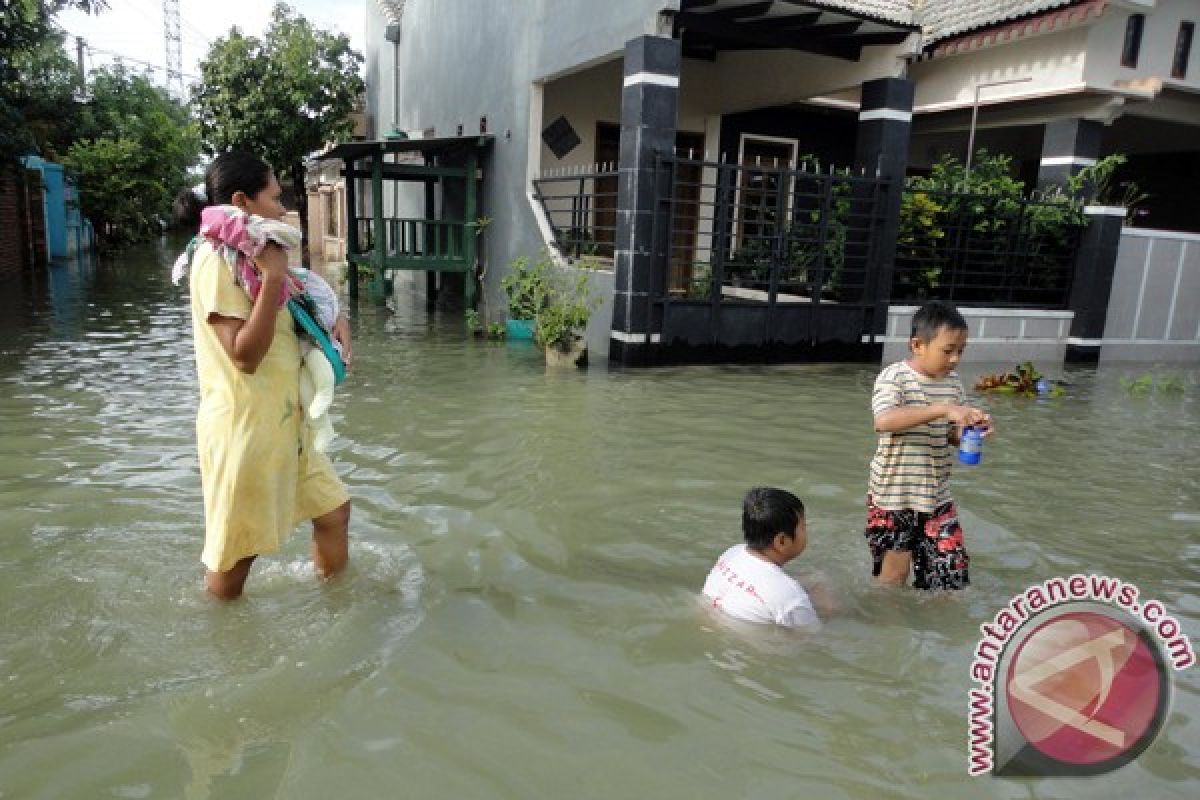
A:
{"x": 443, "y": 239}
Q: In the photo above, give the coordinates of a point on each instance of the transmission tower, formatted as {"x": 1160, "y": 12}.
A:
{"x": 174, "y": 45}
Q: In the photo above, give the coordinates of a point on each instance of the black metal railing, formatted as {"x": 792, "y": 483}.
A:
{"x": 993, "y": 250}
{"x": 581, "y": 206}
{"x": 754, "y": 233}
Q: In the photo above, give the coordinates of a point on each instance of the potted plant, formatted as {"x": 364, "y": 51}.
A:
{"x": 526, "y": 285}
{"x": 561, "y": 321}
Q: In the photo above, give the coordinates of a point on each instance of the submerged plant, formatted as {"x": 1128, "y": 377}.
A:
{"x": 1146, "y": 383}
{"x": 1024, "y": 379}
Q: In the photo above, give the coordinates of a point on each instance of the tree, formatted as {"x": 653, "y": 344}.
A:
{"x": 134, "y": 146}
{"x": 282, "y": 97}
{"x": 37, "y": 81}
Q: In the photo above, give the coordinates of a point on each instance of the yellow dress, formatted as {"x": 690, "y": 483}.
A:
{"x": 260, "y": 474}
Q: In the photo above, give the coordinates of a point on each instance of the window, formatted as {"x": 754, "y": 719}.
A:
{"x": 1133, "y": 40}
{"x": 766, "y": 162}
{"x": 332, "y": 209}
{"x": 1183, "y": 49}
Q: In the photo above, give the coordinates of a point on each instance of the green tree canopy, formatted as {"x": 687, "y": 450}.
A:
{"x": 37, "y": 80}
{"x": 134, "y": 146}
{"x": 282, "y": 97}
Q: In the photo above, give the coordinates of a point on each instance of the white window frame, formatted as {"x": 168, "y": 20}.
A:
{"x": 737, "y": 195}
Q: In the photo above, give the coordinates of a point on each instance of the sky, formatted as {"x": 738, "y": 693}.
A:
{"x": 133, "y": 29}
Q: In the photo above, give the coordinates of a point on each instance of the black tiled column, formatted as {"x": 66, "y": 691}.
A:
{"x": 1091, "y": 285}
{"x": 884, "y": 127}
{"x": 1068, "y": 145}
{"x": 649, "y": 102}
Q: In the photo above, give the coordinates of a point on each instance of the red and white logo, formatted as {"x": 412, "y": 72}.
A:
{"x": 1073, "y": 677}
{"x": 1086, "y": 690}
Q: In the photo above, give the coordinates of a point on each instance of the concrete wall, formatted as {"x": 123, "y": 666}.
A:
{"x": 996, "y": 334}
{"x": 1106, "y": 39}
{"x": 462, "y": 60}
{"x": 1154, "y": 309}
{"x": 1056, "y": 62}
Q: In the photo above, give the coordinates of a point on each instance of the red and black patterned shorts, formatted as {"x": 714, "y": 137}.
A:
{"x": 935, "y": 540}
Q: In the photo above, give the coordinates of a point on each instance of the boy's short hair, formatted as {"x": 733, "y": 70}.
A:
{"x": 933, "y": 316}
{"x": 766, "y": 512}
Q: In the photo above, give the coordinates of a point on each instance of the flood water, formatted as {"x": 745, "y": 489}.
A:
{"x": 520, "y": 616}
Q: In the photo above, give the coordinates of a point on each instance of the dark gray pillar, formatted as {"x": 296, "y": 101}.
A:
{"x": 1091, "y": 285}
{"x": 649, "y": 102}
{"x": 884, "y": 127}
{"x": 1068, "y": 145}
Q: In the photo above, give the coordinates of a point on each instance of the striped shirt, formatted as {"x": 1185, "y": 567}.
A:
{"x": 911, "y": 468}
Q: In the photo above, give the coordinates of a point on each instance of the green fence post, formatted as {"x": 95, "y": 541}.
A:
{"x": 379, "y": 235}
{"x": 352, "y": 245}
{"x": 469, "y": 231}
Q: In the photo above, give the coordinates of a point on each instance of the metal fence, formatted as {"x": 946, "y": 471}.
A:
{"x": 581, "y": 205}
{"x": 767, "y": 232}
{"x": 991, "y": 250}
{"x": 770, "y": 232}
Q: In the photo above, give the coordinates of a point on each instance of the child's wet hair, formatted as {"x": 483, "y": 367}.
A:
{"x": 229, "y": 173}
{"x": 932, "y": 317}
{"x": 766, "y": 512}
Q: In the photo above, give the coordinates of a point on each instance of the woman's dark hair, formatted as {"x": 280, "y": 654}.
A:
{"x": 767, "y": 512}
{"x": 235, "y": 171}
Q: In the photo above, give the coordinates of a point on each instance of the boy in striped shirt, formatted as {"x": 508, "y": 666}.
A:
{"x": 920, "y": 411}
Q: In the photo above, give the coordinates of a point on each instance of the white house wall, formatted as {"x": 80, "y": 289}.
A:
{"x": 594, "y": 95}
{"x": 1056, "y": 62}
{"x": 1106, "y": 39}
{"x": 461, "y": 60}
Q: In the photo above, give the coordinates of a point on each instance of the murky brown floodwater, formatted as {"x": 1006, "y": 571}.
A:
{"x": 520, "y": 617}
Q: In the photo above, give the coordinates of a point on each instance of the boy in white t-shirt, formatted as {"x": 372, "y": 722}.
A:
{"x": 748, "y": 582}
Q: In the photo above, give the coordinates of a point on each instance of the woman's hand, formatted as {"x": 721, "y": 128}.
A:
{"x": 272, "y": 262}
{"x": 341, "y": 335}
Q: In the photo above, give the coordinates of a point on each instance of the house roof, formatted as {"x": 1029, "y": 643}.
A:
{"x": 899, "y": 11}
{"x": 830, "y": 27}
{"x": 942, "y": 18}
{"x": 939, "y": 19}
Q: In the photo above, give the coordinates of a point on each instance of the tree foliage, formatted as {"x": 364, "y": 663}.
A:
{"x": 134, "y": 146}
{"x": 37, "y": 80}
{"x": 282, "y": 97}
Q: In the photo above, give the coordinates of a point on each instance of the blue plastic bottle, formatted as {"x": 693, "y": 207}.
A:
{"x": 970, "y": 446}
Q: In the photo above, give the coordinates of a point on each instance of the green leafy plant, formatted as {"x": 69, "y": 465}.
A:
{"x": 1147, "y": 383}
{"x": 1094, "y": 184}
{"x": 1171, "y": 384}
{"x": 1143, "y": 384}
{"x": 988, "y": 210}
{"x": 490, "y": 330}
{"x": 561, "y": 320}
{"x": 282, "y": 96}
{"x": 1023, "y": 379}
{"x": 527, "y": 285}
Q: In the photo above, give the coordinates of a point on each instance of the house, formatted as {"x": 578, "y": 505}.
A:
{"x": 1058, "y": 84}
{"x": 734, "y": 167}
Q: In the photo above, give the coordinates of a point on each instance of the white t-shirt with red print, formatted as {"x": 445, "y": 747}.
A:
{"x": 749, "y": 588}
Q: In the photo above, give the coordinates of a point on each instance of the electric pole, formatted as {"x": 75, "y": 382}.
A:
{"x": 79, "y": 60}
{"x": 174, "y": 46}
